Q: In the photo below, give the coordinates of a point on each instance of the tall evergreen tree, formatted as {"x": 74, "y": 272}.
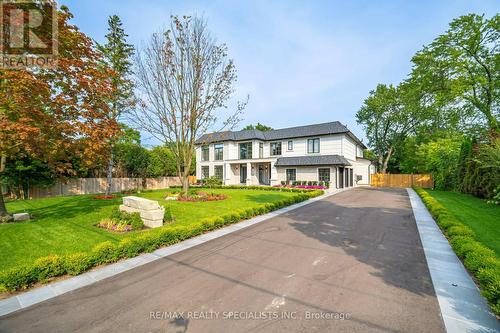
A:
{"x": 117, "y": 56}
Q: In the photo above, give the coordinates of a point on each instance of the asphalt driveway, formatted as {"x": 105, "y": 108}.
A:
{"x": 350, "y": 263}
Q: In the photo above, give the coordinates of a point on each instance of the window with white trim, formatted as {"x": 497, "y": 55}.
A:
{"x": 205, "y": 172}
{"x": 219, "y": 171}
{"x": 204, "y": 153}
{"x": 313, "y": 145}
{"x": 219, "y": 151}
{"x": 291, "y": 175}
{"x": 275, "y": 148}
{"x": 324, "y": 174}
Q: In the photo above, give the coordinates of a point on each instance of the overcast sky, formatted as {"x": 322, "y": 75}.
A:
{"x": 301, "y": 62}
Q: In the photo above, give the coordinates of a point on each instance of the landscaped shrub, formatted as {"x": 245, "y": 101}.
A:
{"x": 478, "y": 259}
{"x": 22, "y": 277}
{"x": 122, "y": 221}
{"x": 133, "y": 219}
{"x": 212, "y": 181}
{"x": 77, "y": 263}
{"x": 460, "y": 230}
{"x": 104, "y": 252}
{"x": 49, "y": 266}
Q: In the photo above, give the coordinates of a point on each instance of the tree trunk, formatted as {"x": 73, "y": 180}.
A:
{"x": 3, "y": 209}
{"x": 109, "y": 175}
{"x": 386, "y": 161}
{"x": 185, "y": 184}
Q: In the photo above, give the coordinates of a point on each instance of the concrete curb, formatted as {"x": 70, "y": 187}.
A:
{"x": 57, "y": 288}
{"x": 462, "y": 307}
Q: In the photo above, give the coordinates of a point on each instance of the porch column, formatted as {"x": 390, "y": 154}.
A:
{"x": 228, "y": 174}
{"x": 274, "y": 175}
{"x": 249, "y": 173}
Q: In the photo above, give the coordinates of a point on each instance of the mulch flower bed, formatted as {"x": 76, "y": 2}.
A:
{"x": 202, "y": 196}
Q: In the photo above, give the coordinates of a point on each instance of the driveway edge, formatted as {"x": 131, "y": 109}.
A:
{"x": 462, "y": 307}
{"x": 51, "y": 290}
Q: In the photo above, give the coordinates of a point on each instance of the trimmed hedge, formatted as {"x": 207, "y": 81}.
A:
{"x": 479, "y": 259}
{"x": 249, "y": 187}
{"x": 23, "y": 277}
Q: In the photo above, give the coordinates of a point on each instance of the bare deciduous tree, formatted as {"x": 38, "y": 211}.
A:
{"x": 184, "y": 78}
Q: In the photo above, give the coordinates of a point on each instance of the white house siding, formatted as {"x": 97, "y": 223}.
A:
{"x": 348, "y": 148}
{"x": 363, "y": 168}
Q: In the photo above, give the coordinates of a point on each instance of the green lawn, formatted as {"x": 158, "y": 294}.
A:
{"x": 64, "y": 225}
{"x": 482, "y": 218}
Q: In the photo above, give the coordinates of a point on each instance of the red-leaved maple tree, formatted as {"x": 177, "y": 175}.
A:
{"x": 57, "y": 115}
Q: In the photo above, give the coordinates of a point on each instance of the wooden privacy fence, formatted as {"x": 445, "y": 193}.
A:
{"x": 402, "y": 180}
{"x": 80, "y": 186}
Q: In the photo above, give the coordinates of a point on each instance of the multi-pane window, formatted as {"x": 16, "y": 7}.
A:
{"x": 290, "y": 145}
{"x": 275, "y": 148}
{"x": 204, "y": 153}
{"x": 313, "y": 146}
{"x": 219, "y": 171}
{"x": 219, "y": 151}
{"x": 291, "y": 175}
{"x": 204, "y": 172}
{"x": 324, "y": 174}
{"x": 245, "y": 150}
{"x": 261, "y": 150}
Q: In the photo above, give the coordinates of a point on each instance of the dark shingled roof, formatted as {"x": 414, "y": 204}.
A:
{"x": 279, "y": 134}
{"x": 312, "y": 160}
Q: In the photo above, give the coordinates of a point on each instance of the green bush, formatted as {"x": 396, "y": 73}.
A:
{"x": 489, "y": 278}
{"x": 212, "y": 182}
{"x": 478, "y": 259}
{"x": 49, "y": 266}
{"x": 77, "y": 263}
{"x": 168, "y": 216}
{"x": 463, "y": 245}
{"x": 460, "y": 230}
{"x": 104, "y": 252}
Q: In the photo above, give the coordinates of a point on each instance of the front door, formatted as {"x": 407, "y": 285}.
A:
{"x": 263, "y": 175}
{"x": 243, "y": 173}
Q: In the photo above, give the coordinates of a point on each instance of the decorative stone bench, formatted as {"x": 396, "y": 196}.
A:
{"x": 151, "y": 212}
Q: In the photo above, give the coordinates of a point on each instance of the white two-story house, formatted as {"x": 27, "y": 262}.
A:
{"x": 321, "y": 152}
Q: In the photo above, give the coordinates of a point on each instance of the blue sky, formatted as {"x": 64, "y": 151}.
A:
{"x": 301, "y": 62}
